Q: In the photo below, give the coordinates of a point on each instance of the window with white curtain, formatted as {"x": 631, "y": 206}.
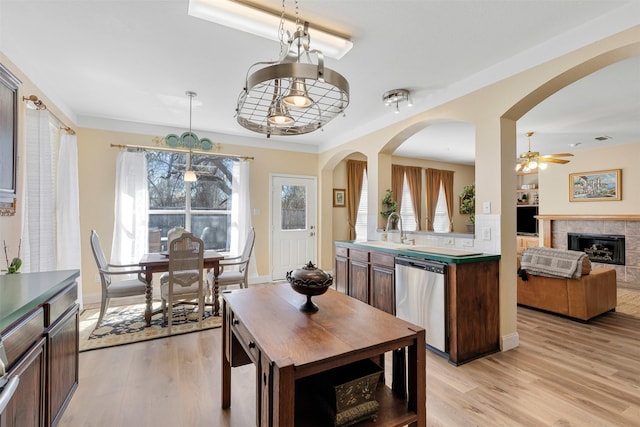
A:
{"x": 203, "y": 207}
{"x": 406, "y": 208}
{"x": 361, "y": 220}
{"x": 441, "y": 220}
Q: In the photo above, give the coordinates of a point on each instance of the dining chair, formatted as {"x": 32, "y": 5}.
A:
{"x": 235, "y": 270}
{"x": 184, "y": 283}
{"x": 115, "y": 288}
{"x": 172, "y": 234}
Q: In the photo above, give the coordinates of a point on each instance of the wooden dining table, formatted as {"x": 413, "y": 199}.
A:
{"x": 158, "y": 262}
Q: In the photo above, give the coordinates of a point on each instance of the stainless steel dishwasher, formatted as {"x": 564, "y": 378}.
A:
{"x": 420, "y": 297}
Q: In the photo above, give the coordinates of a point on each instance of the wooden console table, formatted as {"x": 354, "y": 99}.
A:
{"x": 263, "y": 325}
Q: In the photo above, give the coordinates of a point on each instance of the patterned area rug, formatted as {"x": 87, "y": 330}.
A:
{"x": 125, "y": 325}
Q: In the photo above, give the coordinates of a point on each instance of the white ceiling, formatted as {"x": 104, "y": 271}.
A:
{"x": 125, "y": 65}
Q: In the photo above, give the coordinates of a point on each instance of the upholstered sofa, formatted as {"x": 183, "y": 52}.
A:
{"x": 581, "y": 298}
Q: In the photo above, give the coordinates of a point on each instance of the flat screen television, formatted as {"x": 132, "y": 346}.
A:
{"x": 526, "y": 223}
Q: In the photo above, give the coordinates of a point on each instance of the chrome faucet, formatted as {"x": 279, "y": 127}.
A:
{"x": 403, "y": 237}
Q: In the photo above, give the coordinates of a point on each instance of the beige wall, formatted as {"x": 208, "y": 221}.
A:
{"x": 554, "y": 182}
{"x": 97, "y": 190}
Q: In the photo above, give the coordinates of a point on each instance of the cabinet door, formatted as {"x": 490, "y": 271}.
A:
{"x": 26, "y": 408}
{"x": 383, "y": 288}
{"x": 359, "y": 280}
{"x": 340, "y": 275}
{"x": 63, "y": 364}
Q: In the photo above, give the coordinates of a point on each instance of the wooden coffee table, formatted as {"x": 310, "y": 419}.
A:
{"x": 263, "y": 325}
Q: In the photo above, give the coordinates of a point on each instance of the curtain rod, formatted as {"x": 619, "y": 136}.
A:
{"x": 179, "y": 150}
{"x": 41, "y": 106}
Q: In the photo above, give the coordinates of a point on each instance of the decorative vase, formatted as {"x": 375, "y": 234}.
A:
{"x": 471, "y": 228}
{"x": 309, "y": 281}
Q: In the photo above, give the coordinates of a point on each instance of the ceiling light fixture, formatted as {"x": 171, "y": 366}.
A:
{"x": 532, "y": 160}
{"x": 397, "y": 96}
{"x": 294, "y": 95}
{"x": 188, "y": 139}
{"x": 240, "y": 16}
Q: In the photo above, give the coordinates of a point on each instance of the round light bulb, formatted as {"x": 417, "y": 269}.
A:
{"x": 190, "y": 176}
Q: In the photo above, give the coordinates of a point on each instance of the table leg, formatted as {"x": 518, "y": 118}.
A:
{"x": 417, "y": 379}
{"x": 226, "y": 364}
{"x": 216, "y": 290}
{"x": 148, "y": 277}
{"x": 283, "y": 394}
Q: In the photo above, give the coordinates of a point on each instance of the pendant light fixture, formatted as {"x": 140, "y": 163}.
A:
{"x": 294, "y": 95}
{"x": 189, "y": 140}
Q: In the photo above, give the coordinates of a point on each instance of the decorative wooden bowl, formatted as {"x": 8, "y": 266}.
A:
{"x": 309, "y": 281}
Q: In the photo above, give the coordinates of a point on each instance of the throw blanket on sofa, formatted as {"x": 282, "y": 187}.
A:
{"x": 552, "y": 262}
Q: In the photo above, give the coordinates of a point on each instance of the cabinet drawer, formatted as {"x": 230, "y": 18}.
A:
{"x": 358, "y": 255}
{"x": 245, "y": 338}
{"x": 59, "y": 304}
{"x": 342, "y": 251}
{"x": 386, "y": 260}
{"x": 18, "y": 339}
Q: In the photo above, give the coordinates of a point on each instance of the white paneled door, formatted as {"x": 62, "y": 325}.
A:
{"x": 293, "y": 223}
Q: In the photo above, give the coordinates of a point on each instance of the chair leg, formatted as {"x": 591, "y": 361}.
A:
{"x": 164, "y": 311}
{"x": 103, "y": 308}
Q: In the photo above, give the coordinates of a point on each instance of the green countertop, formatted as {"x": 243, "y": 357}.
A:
{"x": 418, "y": 251}
{"x": 22, "y": 293}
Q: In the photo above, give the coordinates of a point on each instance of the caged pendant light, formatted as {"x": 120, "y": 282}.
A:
{"x": 294, "y": 95}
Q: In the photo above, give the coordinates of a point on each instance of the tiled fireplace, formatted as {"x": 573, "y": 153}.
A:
{"x": 557, "y": 228}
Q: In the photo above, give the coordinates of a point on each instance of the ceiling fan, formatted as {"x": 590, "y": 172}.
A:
{"x": 532, "y": 160}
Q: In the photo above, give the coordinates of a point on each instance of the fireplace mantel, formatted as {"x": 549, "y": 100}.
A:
{"x": 574, "y": 217}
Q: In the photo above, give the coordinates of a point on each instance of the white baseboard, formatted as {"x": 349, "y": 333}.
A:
{"x": 511, "y": 341}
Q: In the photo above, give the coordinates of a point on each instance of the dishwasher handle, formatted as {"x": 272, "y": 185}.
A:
{"x": 423, "y": 264}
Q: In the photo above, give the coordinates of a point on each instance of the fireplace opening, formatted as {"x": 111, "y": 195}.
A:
{"x": 604, "y": 248}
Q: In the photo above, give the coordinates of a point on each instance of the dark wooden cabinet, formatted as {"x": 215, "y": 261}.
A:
{"x": 62, "y": 375}
{"x": 25, "y": 347}
{"x": 39, "y": 328}
{"x": 26, "y": 408}
{"x": 366, "y": 275}
{"x": 358, "y": 283}
{"x": 341, "y": 271}
{"x": 383, "y": 282}
{"x": 474, "y": 311}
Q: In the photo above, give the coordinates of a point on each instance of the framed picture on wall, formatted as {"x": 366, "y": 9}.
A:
{"x": 339, "y": 198}
{"x": 8, "y": 141}
{"x": 598, "y": 186}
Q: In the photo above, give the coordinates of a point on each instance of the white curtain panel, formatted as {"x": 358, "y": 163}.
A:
{"x": 131, "y": 215}
{"x": 68, "y": 208}
{"x": 39, "y": 213}
{"x": 241, "y": 211}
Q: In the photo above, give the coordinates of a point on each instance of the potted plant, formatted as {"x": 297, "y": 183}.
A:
{"x": 388, "y": 207}
{"x": 468, "y": 205}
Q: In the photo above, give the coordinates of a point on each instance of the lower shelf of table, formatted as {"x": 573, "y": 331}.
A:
{"x": 393, "y": 411}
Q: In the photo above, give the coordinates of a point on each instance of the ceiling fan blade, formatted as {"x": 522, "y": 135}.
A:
{"x": 552, "y": 160}
{"x": 557, "y": 155}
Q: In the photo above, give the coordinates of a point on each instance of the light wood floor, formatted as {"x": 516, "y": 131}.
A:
{"x": 564, "y": 373}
